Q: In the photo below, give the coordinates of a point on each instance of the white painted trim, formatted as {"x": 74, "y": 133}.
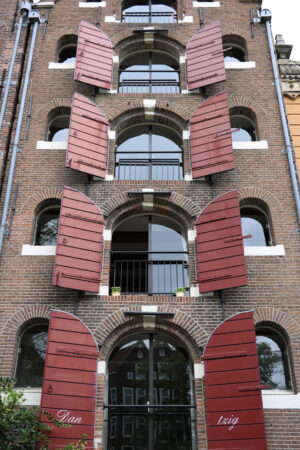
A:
{"x": 110, "y": 19}
{"x": 188, "y": 177}
{"x": 62, "y": 66}
{"x": 149, "y": 103}
{"x": 32, "y": 396}
{"x": 206, "y": 4}
{"x": 149, "y": 308}
{"x": 46, "y": 145}
{"x": 92, "y": 5}
{"x": 101, "y": 368}
{"x": 198, "y": 371}
{"x": 240, "y": 65}
{"x": 276, "y": 250}
{"x": 147, "y": 190}
{"x": 44, "y": 5}
{"x": 115, "y": 58}
{"x": 108, "y": 177}
{"x": 104, "y": 290}
{"x": 253, "y": 145}
{"x": 111, "y": 134}
{"x": 107, "y": 235}
{"x": 182, "y": 59}
{"x": 280, "y": 400}
{"x": 38, "y": 250}
{"x": 186, "y": 134}
{"x": 187, "y": 19}
{"x": 192, "y": 234}
{"x": 185, "y": 91}
{"x": 194, "y": 291}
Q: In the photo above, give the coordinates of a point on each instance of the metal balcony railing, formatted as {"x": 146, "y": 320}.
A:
{"x": 147, "y": 17}
{"x": 149, "y": 84}
{"x": 149, "y": 169}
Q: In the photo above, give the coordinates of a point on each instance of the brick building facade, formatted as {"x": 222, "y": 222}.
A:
{"x": 134, "y": 213}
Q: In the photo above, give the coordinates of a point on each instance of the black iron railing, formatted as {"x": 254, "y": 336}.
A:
{"x": 147, "y": 17}
{"x": 149, "y": 169}
{"x": 149, "y": 84}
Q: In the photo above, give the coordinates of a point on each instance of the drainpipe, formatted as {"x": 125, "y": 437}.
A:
{"x": 266, "y": 17}
{"x": 12, "y": 65}
{"x": 34, "y": 18}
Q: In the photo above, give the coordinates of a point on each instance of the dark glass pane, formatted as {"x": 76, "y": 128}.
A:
{"x": 246, "y": 132}
{"x": 172, "y": 432}
{"x": 47, "y": 227}
{"x": 67, "y": 54}
{"x": 234, "y": 55}
{"x": 253, "y": 227}
{"x": 31, "y": 358}
{"x": 59, "y": 129}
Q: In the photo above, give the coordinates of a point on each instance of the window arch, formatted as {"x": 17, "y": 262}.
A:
{"x": 58, "y": 123}
{"x": 149, "y": 255}
{"x": 149, "y": 11}
{"x": 31, "y": 355}
{"x": 236, "y": 46}
{"x": 150, "y": 369}
{"x": 47, "y": 218}
{"x": 243, "y": 121}
{"x": 255, "y": 221}
{"x": 66, "y": 48}
{"x": 149, "y": 71}
{"x": 149, "y": 152}
{"x": 273, "y": 357}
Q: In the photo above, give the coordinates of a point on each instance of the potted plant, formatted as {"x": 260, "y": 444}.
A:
{"x": 115, "y": 291}
{"x": 180, "y": 292}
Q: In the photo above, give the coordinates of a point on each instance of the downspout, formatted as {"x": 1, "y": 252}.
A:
{"x": 35, "y": 18}
{"x": 266, "y": 16}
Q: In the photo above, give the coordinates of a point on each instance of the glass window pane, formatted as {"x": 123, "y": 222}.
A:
{"x": 253, "y": 227}
{"x": 47, "y": 227}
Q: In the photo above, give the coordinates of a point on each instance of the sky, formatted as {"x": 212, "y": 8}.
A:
{"x": 286, "y": 21}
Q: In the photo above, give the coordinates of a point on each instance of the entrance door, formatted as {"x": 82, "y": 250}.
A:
{"x": 150, "y": 395}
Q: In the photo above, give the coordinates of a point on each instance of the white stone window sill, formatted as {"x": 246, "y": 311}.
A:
{"x": 61, "y": 66}
{"x": 206, "y": 4}
{"x": 32, "y": 396}
{"x": 44, "y": 5}
{"x": 280, "y": 399}
{"x": 38, "y": 250}
{"x": 187, "y": 19}
{"x": 252, "y": 145}
{"x": 92, "y": 5}
{"x": 47, "y": 145}
{"x": 276, "y": 250}
{"x": 239, "y": 64}
{"x": 111, "y": 19}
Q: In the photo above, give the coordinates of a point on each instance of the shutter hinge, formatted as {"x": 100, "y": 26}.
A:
{"x": 18, "y": 150}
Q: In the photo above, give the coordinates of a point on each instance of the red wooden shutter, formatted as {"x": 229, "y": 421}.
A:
{"x": 79, "y": 243}
{"x": 70, "y": 380}
{"x": 234, "y": 411}
{"x": 220, "y": 251}
{"x": 94, "y": 56}
{"x": 87, "y": 143}
{"x": 210, "y": 137}
{"x": 205, "y": 58}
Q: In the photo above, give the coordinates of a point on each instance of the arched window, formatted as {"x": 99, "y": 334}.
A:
{"x": 145, "y": 370}
{"x": 255, "y": 222}
{"x": 58, "y": 124}
{"x": 149, "y": 152}
{"x": 46, "y": 228}
{"x": 243, "y": 123}
{"x": 66, "y": 49}
{"x": 31, "y": 356}
{"x": 236, "y": 46}
{"x": 149, "y": 11}
{"x": 273, "y": 358}
{"x": 149, "y": 255}
{"x": 152, "y": 72}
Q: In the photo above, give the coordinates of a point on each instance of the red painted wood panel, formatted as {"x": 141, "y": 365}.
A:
{"x": 210, "y": 137}
{"x": 69, "y": 385}
{"x": 88, "y": 137}
{"x": 234, "y": 414}
{"x": 78, "y": 252}
{"x": 220, "y": 251}
{"x": 94, "y": 56}
{"x": 205, "y": 58}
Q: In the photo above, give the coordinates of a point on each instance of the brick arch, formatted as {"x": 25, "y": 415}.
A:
{"x": 256, "y": 107}
{"x": 44, "y": 110}
{"x": 117, "y": 325}
{"x": 278, "y": 317}
{"x": 234, "y": 30}
{"x": 39, "y": 196}
{"x": 53, "y": 38}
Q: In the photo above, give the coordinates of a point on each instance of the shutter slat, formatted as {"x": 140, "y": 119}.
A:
{"x": 205, "y": 59}
{"x": 69, "y": 386}
{"x": 88, "y": 138}
{"x": 221, "y": 261}
{"x": 210, "y": 138}
{"x": 94, "y": 56}
{"x": 79, "y": 244}
{"x": 233, "y": 401}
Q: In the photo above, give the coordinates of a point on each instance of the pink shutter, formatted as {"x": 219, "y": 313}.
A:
{"x": 70, "y": 380}
{"x": 210, "y": 137}
{"x": 94, "y": 56}
{"x": 79, "y": 243}
{"x": 205, "y": 58}
{"x": 87, "y": 143}
{"x": 234, "y": 410}
{"x": 220, "y": 251}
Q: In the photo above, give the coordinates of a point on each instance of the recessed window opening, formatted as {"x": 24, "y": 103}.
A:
{"x": 235, "y": 48}
{"x": 66, "y": 48}
{"x": 255, "y": 222}
{"x": 31, "y": 356}
{"x": 47, "y": 226}
{"x": 149, "y": 255}
{"x": 273, "y": 359}
{"x": 149, "y": 152}
{"x": 132, "y": 422}
{"x": 243, "y": 125}
{"x": 58, "y": 128}
{"x": 149, "y": 11}
{"x": 149, "y": 72}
